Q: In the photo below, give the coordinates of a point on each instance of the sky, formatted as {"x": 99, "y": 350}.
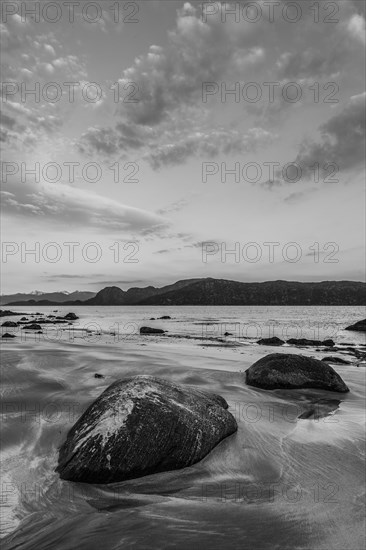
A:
{"x": 151, "y": 141}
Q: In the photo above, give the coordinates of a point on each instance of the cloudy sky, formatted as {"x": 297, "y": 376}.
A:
{"x": 164, "y": 125}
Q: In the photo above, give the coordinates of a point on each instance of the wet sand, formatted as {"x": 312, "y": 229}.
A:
{"x": 281, "y": 482}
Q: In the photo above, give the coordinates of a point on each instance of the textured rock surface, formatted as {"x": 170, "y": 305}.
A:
{"x": 140, "y": 426}
{"x": 279, "y": 370}
{"x": 360, "y": 326}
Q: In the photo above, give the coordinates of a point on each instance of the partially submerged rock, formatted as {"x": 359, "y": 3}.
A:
{"x": 274, "y": 341}
{"x": 71, "y": 317}
{"x": 360, "y": 326}
{"x": 165, "y": 317}
{"x": 279, "y": 370}
{"x": 8, "y": 313}
{"x": 150, "y": 330}
{"x": 7, "y": 335}
{"x": 307, "y": 342}
{"x": 140, "y": 426}
{"x": 9, "y": 324}
{"x": 32, "y": 326}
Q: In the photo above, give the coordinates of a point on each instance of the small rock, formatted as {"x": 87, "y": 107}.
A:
{"x": 150, "y": 330}
{"x": 32, "y": 326}
{"x": 165, "y": 317}
{"x": 274, "y": 341}
{"x": 228, "y": 334}
{"x": 96, "y": 375}
{"x": 307, "y": 342}
{"x": 71, "y": 317}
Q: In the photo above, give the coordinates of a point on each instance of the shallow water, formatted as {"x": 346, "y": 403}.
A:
{"x": 281, "y": 482}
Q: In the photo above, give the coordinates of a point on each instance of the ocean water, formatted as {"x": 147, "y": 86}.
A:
{"x": 281, "y": 482}
{"x": 243, "y": 322}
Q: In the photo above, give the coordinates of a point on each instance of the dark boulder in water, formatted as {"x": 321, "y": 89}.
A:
{"x": 279, "y": 370}
{"x": 165, "y": 317}
{"x": 32, "y": 326}
{"x": 71, "y": 317}
{"x": 7, "y": 335}
{"x": 274, "y": 341}
{"x": 360, "y": 326}
{"x": 307, "y": 342}
{"x": 140, "y": 426}
{"x": 9, "y": 324}
{"x": 7, "y": 313}
{"x": 150, "y": 330}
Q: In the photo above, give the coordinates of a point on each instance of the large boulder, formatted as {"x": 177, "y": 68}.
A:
{"x": 150, "y": 330}
{"x": 9, "y": 324}
{"x": 279, "y": 370}
{"x": 360, "y": 326}
{"x": 140, "y": 426}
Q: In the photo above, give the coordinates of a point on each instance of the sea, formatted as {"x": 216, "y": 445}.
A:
{"x": 280, "y": 482}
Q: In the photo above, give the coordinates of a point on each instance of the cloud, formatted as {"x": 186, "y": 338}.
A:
{"x": 342, "y": 140}
{"x": 165, "y": 118}
{"x": 63, "y": 205}
{"x": 356, "y": 26}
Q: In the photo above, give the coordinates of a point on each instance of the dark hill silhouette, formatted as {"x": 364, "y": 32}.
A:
{"x": 211, "y": 291}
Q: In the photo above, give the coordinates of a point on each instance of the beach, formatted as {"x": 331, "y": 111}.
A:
{"x": 280, "y": 482}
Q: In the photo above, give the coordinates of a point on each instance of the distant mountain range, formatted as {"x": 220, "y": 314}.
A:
{"x": 219, "y": 292}
{"x": 38, "y": 297}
